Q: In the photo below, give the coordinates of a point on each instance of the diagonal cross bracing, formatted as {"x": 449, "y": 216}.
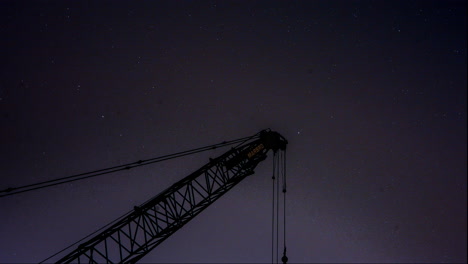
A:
{"x": 129, "y": 239}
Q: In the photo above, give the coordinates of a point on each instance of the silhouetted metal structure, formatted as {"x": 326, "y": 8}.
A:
{"x": 149, "y": 224}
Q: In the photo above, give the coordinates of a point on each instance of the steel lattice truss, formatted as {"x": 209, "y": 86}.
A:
{"x": 133, "y": 236}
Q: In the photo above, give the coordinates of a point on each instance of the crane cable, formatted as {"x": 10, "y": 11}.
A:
{"x": 284, "y": 259}
{"x": 40, "y": 185}
{"x": 278, "y": 164}
{"x": 273, "y": 177}
{"x": 279, "y": 170}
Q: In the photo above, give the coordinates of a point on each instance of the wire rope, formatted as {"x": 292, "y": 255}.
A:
{"x": 284, "y": 259}
{"x": 277, "y": 208}
{"x": 273, "y": 211}
{"x": 95, "y": 173}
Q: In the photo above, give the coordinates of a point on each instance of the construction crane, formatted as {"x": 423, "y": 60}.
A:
{"x": 132, "y": 236}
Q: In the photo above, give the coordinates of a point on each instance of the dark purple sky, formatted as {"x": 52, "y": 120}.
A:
{"x": 371, "y": 96}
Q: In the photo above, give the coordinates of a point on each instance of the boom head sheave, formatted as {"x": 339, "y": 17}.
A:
{"x": 273, "y": 140}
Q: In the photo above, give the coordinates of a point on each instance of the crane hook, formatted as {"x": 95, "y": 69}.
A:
{"x": 284, "y": 258}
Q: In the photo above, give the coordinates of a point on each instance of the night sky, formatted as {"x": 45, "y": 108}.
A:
{"x": 371, "y": 96}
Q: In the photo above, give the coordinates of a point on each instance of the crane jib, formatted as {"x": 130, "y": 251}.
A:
{"x": 255, "y": 151}
{"x": 130, "y": 238}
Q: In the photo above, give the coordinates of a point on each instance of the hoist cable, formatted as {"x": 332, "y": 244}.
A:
{"x": 273, "y": 212}
{"x": 81, "y": 176}
{"x": 284, "y": 259}
{"x": 277, "y": 208}
{"x": 284, "y": 197}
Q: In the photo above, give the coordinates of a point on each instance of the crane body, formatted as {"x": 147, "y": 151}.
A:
{"x": 148, "y": 225}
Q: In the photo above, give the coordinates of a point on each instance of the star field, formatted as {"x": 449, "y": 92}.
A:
{"x": 371, "y": 96}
